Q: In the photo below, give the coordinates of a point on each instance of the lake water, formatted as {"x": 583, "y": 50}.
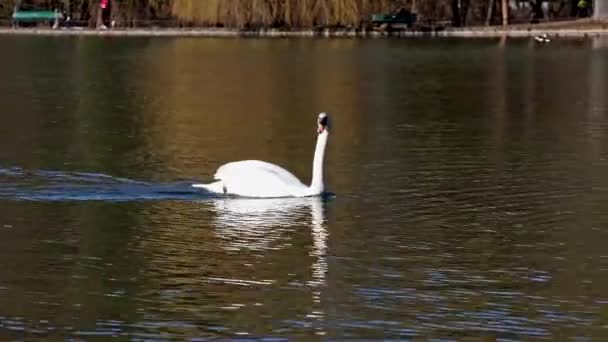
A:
{"x": 468, "y": 180}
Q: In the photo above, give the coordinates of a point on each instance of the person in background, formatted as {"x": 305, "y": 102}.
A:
{"x": 103, "y": 5}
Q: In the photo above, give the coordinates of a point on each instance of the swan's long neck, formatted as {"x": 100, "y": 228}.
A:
{"x": 317, "y": 186}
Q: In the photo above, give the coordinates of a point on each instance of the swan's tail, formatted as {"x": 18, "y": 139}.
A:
{"x": 216, "y": 187}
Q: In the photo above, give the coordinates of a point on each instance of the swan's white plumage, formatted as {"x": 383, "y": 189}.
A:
{"x": 254, "y": 178}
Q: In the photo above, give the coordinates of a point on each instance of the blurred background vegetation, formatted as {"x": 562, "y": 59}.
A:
{"x": 298, "y": 13}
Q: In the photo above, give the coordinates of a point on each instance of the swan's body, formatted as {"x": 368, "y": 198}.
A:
{"x": 254, "y": 178}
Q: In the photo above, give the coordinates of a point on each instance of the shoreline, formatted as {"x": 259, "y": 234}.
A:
{"x": 472, "y": 32}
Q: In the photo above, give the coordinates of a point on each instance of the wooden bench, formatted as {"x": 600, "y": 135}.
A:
{"x": 32, "y": 17}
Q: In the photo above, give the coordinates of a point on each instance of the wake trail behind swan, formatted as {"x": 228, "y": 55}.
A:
{"x": 42, "y": 185}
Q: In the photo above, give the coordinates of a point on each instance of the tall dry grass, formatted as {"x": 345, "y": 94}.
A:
{"x": 266, "y": 13}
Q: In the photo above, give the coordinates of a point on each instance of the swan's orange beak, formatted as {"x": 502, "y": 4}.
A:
{"x": 320, "y": 129}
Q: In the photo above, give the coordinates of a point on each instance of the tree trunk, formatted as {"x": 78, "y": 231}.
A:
{"x": 490, "y": 12}
{"x": 455, "y": 13}
{"x": 110, "y": 11}
{"x": 600, "y": 10}
{"x": 99, "y": 20}
{"x": 84, "y": 14}
{"x": 537, "y": 7}
{"x": 573, "y": 8}
{"x": 464, "y": 11}
{"x": 505, "y": 12}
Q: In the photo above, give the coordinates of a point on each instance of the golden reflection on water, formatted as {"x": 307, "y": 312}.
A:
{"x": 236, "y": 241}
{"x": 266, "y": 103}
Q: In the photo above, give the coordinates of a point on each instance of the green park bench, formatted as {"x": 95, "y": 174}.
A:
{"x": 399, "y": 18}
{"x": 32, "y": 17}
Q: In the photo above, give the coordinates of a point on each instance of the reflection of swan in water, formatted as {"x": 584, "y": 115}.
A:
{"x": 319, "y": 267}
{"x": 255, "y": 223}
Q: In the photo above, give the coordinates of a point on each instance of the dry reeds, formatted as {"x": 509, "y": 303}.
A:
{"x": 296, "y": 14}
{"x": 268, "y": 13}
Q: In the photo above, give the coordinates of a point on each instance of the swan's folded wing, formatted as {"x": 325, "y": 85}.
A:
{"x": 254, "y": 178}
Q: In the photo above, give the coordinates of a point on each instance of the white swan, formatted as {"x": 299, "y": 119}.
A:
{"x": 254, "y": 178}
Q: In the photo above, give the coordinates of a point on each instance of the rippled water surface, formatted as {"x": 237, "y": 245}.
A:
{"x": 469, "y": 185}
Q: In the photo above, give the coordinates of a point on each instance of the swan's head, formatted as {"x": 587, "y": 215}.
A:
{"x": 323, "y": 123}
